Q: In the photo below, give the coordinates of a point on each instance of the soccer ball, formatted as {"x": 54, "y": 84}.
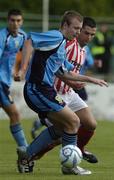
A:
{"x": 70, "y": 156}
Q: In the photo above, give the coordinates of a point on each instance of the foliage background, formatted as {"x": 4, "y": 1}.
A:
{"x": 96, "y": 8}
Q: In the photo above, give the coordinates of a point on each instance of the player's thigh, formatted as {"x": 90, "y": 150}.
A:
{"x": 12, "y": 112}
{"x": 65, "y": 117}
{"x": 86, "y": 118}
{"x": 7, "y": 103}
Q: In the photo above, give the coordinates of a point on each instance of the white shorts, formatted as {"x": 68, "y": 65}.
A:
{"x": 73, "y": 100}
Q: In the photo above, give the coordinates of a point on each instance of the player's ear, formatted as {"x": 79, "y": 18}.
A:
{"x": 22, "y": 21}
{"x": 65, "y": 25}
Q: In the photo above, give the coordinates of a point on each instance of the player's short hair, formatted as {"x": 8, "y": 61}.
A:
{"x": 14, "y": 12}
{"x": 69, "y": 15}
{"x": 88, "y": 21}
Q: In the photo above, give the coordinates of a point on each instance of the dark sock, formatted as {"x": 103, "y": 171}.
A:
{"x": 18, "y": 134}
{"x": 69, "y": 139}
{"x": 84, "y": 136}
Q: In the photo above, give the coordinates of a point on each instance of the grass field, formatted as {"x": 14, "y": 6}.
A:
{"x": 48, "y": 168}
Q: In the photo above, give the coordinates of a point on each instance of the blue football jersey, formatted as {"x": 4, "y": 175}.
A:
{"x": 49, "y": 56}
{"x": 9, "y": 46}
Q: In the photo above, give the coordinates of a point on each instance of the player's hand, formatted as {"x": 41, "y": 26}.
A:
{"x": 103, "y": 83}
{"x": 100, "y": 82}
{"x": 16, "y": 77}
{"x": 22, "y": 75}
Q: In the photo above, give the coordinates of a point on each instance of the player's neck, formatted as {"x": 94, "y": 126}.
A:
{"x": 13, "y": 33}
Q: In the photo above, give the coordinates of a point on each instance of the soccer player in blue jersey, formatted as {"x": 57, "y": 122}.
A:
{"x": 49, "y": 60}
{"x": 11, "y": 42}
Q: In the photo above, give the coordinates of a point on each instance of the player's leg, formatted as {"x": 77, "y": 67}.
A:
{"x": 39, "y": 144}
{"x": 87, "y": 120}
{"x": 54, "y": 108}
{"x": 85, "y": 132}
{"x": 37, "y": 124}
{"x": 15, "y": 126}
{"x": 11, "y": 110}
{"x": 47, "y": 136}
{"x": 60, "y": 115}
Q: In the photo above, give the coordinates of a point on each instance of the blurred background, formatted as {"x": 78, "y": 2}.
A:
{"x": 43, "y": 15}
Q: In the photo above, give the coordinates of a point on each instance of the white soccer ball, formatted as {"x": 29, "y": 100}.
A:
{"x": 70, "y": 156}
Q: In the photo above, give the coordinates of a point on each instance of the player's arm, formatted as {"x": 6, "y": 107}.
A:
{"x": 17, "y": 66}
{"x": 26, "y": 56}
{"x": 77, "y": 77}
{"x": 2, "y": 43}
{"x": 74, "y": 84}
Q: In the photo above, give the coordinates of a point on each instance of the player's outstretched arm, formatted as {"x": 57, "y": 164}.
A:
{"x": 77, "y": 77}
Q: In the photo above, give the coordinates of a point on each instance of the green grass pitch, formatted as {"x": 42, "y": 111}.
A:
{"x": 48, "y": 168}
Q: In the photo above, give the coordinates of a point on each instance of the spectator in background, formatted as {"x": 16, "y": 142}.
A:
{"x": 101, "y": 48}
{"x": 11, "y": 42}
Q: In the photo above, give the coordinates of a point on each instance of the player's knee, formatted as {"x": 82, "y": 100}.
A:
{"x": 74, "y": 123}
{"x": 94, "y": 125}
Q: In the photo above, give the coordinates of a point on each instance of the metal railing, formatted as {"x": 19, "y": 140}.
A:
{"x": 33, "y": 22}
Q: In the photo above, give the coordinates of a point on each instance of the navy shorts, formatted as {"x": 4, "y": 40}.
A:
{"x": 82, "y": 93}
{"x": 42, "y": 99}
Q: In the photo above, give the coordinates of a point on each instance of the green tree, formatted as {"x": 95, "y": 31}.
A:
{"x": 96, "y": 8}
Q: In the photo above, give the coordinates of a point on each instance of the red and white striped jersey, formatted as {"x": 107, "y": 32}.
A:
{"x": 76, "y": 56}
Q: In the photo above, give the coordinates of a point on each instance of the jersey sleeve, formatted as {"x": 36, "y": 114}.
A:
{"x": 2, "y": 43}
{"x": 89, "y": 57}
{"x": 47, "y": 40}
{"x": 24, "y": 38}
{"x": 62, "y": 58}
{"x": 68, "y": 65}
{"x": 65, "y": 68}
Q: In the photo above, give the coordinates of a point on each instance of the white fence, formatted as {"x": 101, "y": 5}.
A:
{"x": 101, "y": 101}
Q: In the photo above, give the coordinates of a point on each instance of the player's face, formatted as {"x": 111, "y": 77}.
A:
{"x": 14, "y": 23}
{"x": 73, "y": 29}
{"x": 86, "y": 35}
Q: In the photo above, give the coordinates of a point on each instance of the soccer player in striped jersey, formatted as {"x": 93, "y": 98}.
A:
{"x": 11, "y": 42}
{"x": 49, "y": 60}
{"x": 76, "y": 55}
{"x": 88, "y": 122}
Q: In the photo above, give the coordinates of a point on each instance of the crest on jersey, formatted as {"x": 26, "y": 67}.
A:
{"x": 59, "y": 99}
{"x": 16, "y": 44}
